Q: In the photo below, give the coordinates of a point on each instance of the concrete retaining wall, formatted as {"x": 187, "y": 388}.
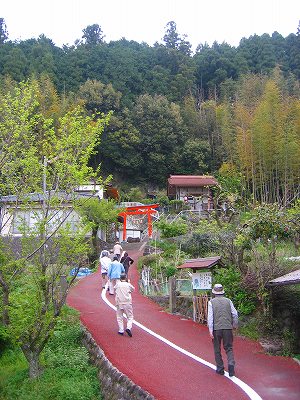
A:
{"x": 114, "y": 384}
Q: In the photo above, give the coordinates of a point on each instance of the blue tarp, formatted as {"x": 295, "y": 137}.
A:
{"x": 81, "y": 272}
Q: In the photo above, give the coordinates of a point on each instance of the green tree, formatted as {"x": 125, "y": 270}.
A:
{"x": 50, "y": 157}
{"x": 100, "y": 214}
{"x": 292, "y": 48}
{"x": 98, "y": 97}
{"x": 41, "y": 59}
{"x": 259, "y": 52}
{"x": 209, "y": 132}
{"x": 268, "y": 225}
{"x": 119, "y": 153}
{"x": 228, "y": 194}
{"x": 226, "y": 127}
{"x": 93, "y": 34}
{"x": 194, "y": 157}
{"x": 173, "y": 229}
{"x": 15, "y": 64}
{"x": 293, "y": 215}
{"x": 173, "y": 40}
{"x": 214, "y": 65}
{"x": 3, "y": 31}
{"x": 162, "y": 135}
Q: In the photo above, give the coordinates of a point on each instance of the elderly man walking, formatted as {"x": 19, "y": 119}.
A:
{"x": 124, "y": 304}
{"x": 221, "y": 319}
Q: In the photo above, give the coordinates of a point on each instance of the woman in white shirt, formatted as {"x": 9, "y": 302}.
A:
{"x": 105, "y": 262}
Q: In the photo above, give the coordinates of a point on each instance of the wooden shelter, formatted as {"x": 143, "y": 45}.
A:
{"x": 192, "y": 189}
{"x": 292, "y": 278}
{"x": 200, "y": 263}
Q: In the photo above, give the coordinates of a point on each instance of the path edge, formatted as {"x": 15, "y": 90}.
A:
{"x": 114, "y": 384}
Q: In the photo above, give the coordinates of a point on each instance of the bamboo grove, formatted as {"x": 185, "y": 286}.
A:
{"x": 261, "y": 135}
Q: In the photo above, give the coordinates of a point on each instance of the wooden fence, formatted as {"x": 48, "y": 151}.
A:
{"x": 200, "y": 307}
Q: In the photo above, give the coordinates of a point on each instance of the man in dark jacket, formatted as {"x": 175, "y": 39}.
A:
{"x": 126, "y": 261}
{"x": 222, "y": 318}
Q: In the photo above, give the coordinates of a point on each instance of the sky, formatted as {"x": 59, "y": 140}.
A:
{"x": 145, "y": 20}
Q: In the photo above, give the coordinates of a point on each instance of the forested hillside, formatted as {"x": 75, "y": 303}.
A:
{"x": 178, "y": 112}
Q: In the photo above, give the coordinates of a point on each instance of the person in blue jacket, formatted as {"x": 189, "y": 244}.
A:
{"x": 114, "y": 272}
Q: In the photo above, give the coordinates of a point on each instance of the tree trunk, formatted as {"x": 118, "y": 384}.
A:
{"x": 95, "y": 254}
{"x": 32, "y": 356}
{"x": 272, "y": 256}
{"x": 5, "y": 300}
{"x": 297, "y": 241}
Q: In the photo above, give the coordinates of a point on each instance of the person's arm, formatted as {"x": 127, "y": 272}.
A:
{"x": 210, "y": 320}
{"x": 108, "y": 265}
{"x": 109, "y": 270}
{"x": 131, "y": 260}
{"x": 234, "y": 314}
{"x": 131, "y": 288}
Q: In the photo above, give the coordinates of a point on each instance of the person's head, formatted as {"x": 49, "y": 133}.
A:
{"x": 218, "y": 289}
{"x": 125, "y": 254}
{"x": 105, "y": 253}
{"x": 123, "y": 276}
{"x": 115, "y": 258}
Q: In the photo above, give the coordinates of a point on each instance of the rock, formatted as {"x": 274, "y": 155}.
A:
{"x": 272, "y": 346}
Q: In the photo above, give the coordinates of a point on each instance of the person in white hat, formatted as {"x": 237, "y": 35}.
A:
{"x": 222, "y": 318}
{"x": 123, "y": 291}
{"x": 117, "y": 250}
{"x": 104, "y": 262}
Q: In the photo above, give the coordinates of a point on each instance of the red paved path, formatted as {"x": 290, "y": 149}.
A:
{"x": 165, "y": 372}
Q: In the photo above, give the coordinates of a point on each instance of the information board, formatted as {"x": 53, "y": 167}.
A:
{"x": 202, "y": 280}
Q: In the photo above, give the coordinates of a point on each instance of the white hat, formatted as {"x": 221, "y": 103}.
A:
{"x": 218, "y": 289}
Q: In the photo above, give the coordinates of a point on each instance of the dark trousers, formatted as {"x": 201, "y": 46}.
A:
{"x": 226, "y": 336}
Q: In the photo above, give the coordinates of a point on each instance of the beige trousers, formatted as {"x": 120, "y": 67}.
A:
{"x": 111, "y": 285}
{"x": 128, "y": 311}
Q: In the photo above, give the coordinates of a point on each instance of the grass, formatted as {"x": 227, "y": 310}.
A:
{"x": 67, "y": 374}
{"x": 249, "y": 330}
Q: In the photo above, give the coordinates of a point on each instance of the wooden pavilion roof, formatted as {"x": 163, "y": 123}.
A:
{"x": 201, "y": 263}
{"x": 291, "y": 278}
{"x": 192, "y": 180}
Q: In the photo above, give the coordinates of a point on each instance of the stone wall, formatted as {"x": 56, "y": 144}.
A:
{"x": 114, "y": 384}
{"x": 184, "y": 304}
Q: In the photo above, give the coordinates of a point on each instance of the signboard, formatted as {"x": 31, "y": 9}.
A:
{"x": 201, "y": 280}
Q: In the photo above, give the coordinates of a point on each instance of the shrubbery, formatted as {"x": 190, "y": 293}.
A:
{"x": 173, "y": 229}
{"x": 67, "y": 373}
{"x": 243, "y": 300}
{"x": 199, "y": 244}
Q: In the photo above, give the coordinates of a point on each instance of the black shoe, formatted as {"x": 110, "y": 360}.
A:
{"x": 128, "y": 331}
{"x": 121, "y": 333}
{"x": 220, "y": 371}
{"x": 231, "y": 370}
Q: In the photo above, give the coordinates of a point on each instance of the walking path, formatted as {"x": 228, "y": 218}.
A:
{"x": 171, "y": 357}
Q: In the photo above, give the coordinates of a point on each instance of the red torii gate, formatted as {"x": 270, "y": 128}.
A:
{"x": 148, "y": 209}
